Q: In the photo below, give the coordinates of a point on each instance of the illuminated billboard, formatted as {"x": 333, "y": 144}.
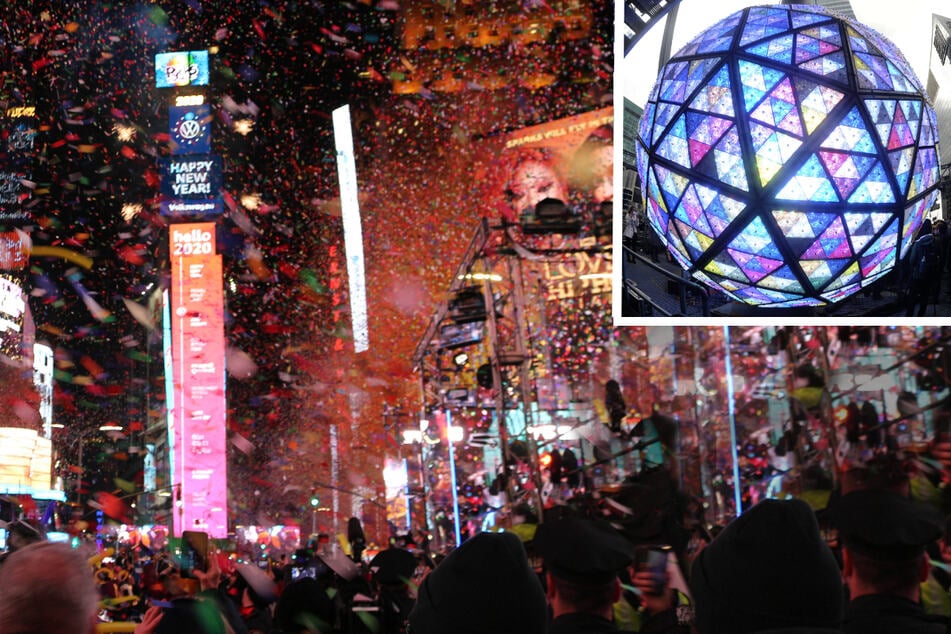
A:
{"x": 199, "y": 473}
{"x": 190, "y": 129}
{"x": 191, "y": 177}
{"x": 183, "y": 68}
{"x": 12, "y": 311}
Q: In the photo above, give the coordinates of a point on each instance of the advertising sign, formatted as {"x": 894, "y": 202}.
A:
{"x": 184, "y": 68}
{"x": 190, "y": 129}
{"x": 193, "y": 177}
{"x": 198, "y": 358}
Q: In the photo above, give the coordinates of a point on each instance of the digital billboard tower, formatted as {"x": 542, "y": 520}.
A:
{"x": 191, "y": 183}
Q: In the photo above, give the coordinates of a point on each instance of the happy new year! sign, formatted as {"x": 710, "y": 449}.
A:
{"x": 191, "y": 177}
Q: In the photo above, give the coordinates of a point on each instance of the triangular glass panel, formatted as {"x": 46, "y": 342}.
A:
{"x": 816, "y": 101}
{"x": 726, "y": 266}
{"x": 721, "y": 209}
{"x": 729, "y": 161}
{"x": 782, "y": 279}
{"x": 778, "y": 49}
{"x": 875, "y": 188}
{"x": 755, "y": 239}
{"x": 810, "y": 183}
{"x": 806, "y": 48}
{"x": 757, "y": 80}
{"x": 901, "y": 161}
{"x": 802, "y": 224}
{"x": 804, "y": 18}
{"x": 850, "y": 135}
{"x": 831, "y": 66}
{"x": 674, "y": 144}
{"x": 716, "y": 96}
{"x": 755, "y": 267}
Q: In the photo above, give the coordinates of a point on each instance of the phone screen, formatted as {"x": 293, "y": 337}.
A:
{"x": 194, "y": 553}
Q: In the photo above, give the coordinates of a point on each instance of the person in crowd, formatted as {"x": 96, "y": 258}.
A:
{"x": 614, "y": 403}
{"x": 192, "y": 606}
{"x": 943, "y": 241}
{"x": 582, "y": 559}
{"x": 47, "y": 587}
{"x": 923, "y": 272}
{"x": 22, "y": 532}
{"x": 769, "y": 570}
{"x": 304, "y": 606}
{"x": 883, "y": 535}
{"x": 485, "y": 586}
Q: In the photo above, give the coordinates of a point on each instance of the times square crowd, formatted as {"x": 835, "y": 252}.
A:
{"x": 875, "y": 558}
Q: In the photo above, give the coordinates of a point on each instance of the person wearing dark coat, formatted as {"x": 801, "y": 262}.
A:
{"x": 884, "y": 535}
{"x": 485, "y": 586}
{"x": 582, "y": 560}
{"x": 769, "y": 571}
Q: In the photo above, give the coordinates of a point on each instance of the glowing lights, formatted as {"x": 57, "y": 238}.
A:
{"x": 124, "y": 132}
{"x": 251, "y": 201}
{"x": 352, "y": 229}
{"x": 130, "y": 211}
{"x": 788, "y": 156}
{"x": 244, "y": 127}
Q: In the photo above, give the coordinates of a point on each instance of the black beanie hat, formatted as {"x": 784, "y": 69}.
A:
{"x": 770, "y": 568}
{"x": 485, "y": 586}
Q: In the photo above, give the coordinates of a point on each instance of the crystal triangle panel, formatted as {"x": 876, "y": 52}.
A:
{"x": 715, "y": 97}
{"x": 810, "y": 183}
{"x": 672, "y": 185}
{"x": 901, "y": 161}
{"x": 756, "y": 81}
{"x": 847, "y": 170}
{"x": 674, "y": 146}
{"x": 876, "y": 187}
{"x": 657, "y": 217}
{"x": 764, "y": 22}
{"x": 802, "y": 18}
{"x": 721, "y": 210}
{"x": 849, "y": 275}
{"x": 755, "y": 239}
{"x": 820, "y": 272}
{"x": 779, "y": 49}
{"x": 782, "y": 279}
{"x": 833, "y": 243}
{"x": 773, "y": 149}
{"x": 914, "y": 214}
{"x": 729, "y": 161}
{"x": 850, "y": 135}
{"x": 725, "y": 266}
{"x": 831, "y": 66}
{"x": 881, "y": 252}
{"x": 690, "y": 211}
{"x": 816, "y": 101}
{"x": 755, "y": 267}
{"x": 805, "y": 225}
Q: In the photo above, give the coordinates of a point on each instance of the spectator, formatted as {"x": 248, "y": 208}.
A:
{"x": 47, "y": 587}
{"x": 485, "y": 586}
{"x": 923, "y": 270}
{"x": 883, "y": 536}
{"x": 768, "y": 570}
{"x": 582, "y": 561}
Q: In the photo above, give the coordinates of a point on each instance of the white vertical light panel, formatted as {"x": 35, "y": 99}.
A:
{"x": 352, "y": 230}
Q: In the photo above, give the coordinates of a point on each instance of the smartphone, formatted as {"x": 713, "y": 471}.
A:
{"x": 651, "y": 558}
{"x": 194, "y": 553}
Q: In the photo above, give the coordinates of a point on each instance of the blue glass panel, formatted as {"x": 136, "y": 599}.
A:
{"x": 779, "y": 49}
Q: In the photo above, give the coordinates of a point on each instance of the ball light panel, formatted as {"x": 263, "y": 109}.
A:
{"x": 788, "y": 156}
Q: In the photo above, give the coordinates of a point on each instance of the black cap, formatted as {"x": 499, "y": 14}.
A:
{"x": 885, "y": 525}
{"x": 582, "y": 550}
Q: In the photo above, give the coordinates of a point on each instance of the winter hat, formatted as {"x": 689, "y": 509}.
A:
{"x": 770, "y": 568}
{"x": 485, "y": 586}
